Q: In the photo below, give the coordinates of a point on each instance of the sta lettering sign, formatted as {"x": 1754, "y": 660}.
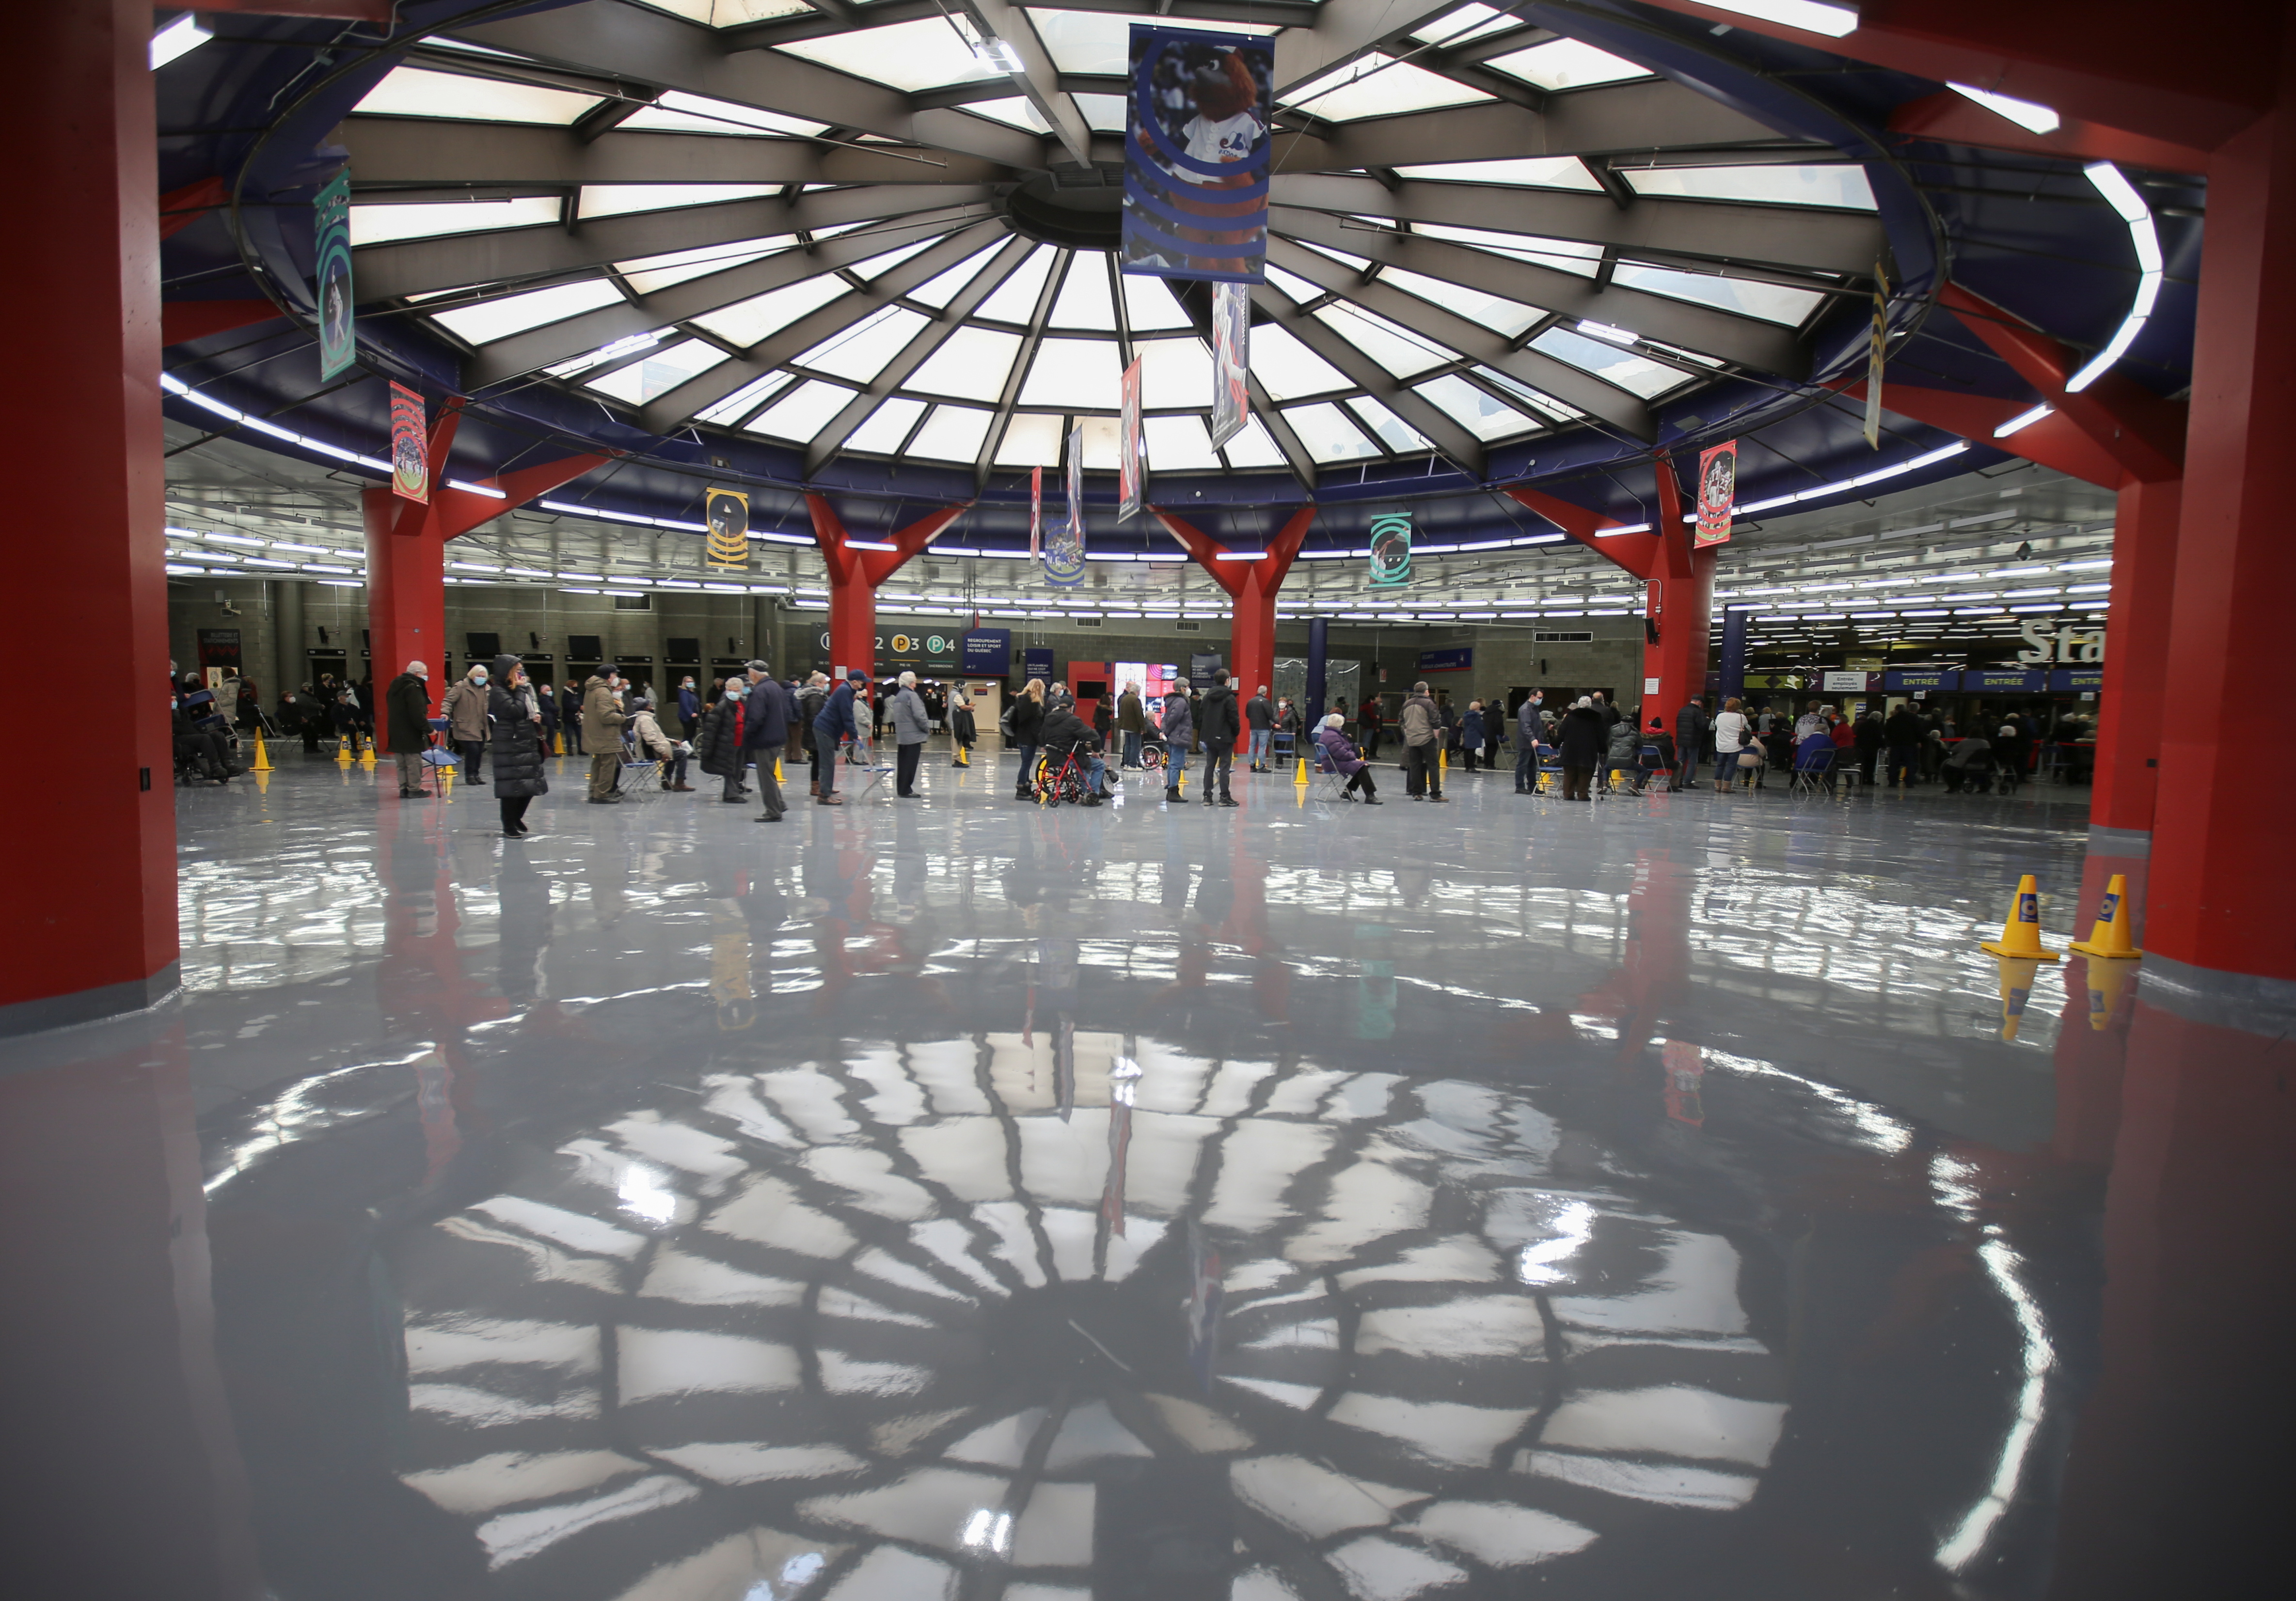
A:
{"x": 2063, "y": 645}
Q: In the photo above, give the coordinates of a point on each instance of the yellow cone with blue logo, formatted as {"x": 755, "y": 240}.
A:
{"x": 2111, "y": 940}
{"x": 342, "y": 753}
{"x": 262, "y": 762}
{"x": 2016, "y": 990}
{"x": 2106, "y": 982}
{"x": 2021, "y": 935}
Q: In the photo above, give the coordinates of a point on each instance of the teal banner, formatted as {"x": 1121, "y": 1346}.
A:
{"x": 338, "y": 335}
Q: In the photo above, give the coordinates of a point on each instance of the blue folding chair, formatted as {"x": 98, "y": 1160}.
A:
{"x": 1813, "y": 768}
{"x": 1550, "y": 765}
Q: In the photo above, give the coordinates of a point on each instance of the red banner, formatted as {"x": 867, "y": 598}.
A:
{"x": 1035, "y": 512}
{"x": 1718, "y": 492}
{"x": 410, "y": 445}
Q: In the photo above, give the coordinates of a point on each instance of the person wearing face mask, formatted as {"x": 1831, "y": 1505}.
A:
{"x": 406, "y": 712}
{"x": 718, "y": 745}
{"x": 465, "y": 711}
{"x": 517, "y": 718}
{"x": 689, "y": 706}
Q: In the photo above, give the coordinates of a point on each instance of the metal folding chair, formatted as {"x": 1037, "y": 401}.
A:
{"x": 1550, "y": 765}
{"x": 1330, "y": 783}
{"x": 1810, "y": 772}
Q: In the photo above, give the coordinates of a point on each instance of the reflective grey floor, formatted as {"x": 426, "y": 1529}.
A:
{"x": 951, "y": 1198}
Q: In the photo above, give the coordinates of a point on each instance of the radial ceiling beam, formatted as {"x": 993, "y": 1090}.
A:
{"x": 1343, "y": 30}
{"x": 928, "y": 338}
{"x": 637, "y": 42}
{"x": 703, "y": 390}
{"x": 533, "y": 255}
{"x": 412, "y": 151}
{"x": 1287, "y": 442}
{"x": 1617, "y": 119}
{"x": 1009, "y": 395}
{"x": 1462, "y": 448}
{"x": 1764, "y": 346}
{"x": 1038, "y": 80}
{"x": 1802, "y": 237}
{"x": 555, "y": 342}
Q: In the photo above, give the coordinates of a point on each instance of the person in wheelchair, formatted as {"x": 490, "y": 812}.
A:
{"x": 1066, "y": 735}
{"x": 201, "y": 752}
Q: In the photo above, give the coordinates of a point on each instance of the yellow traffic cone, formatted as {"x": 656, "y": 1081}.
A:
{"x": 262, "y": 762}
{"x": 1300, "y": 777}
{"x": 447, "y": 778}
{"x": 342, "y": 753}
{"x": 777, "y": 770}
{"x": 2110, "y": 940}
{"x": 2106, "y": 981}
{"x": 1442, "y": 759}
{"x": 262, "y": 781}
{"x": 366, "y": 756}
{"x": 2016, "y": 989}
{"x": 2021, "y": 935}
{"x": 557, "y": 744}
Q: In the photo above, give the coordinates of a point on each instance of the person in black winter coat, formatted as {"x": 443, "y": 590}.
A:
{"x": 1218, "y": 725}
{"x": 1690, "y": 726}
{"x": 514, "y": 711}
{"x": 1580, "y": 742}
{"x": 714, "y": 749}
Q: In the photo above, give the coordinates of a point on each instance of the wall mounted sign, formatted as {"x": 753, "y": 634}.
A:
{"x": 1455, "y": 659}
{"x": 989, "y": 652}
{"x": 1196, "y": 153}
{"x": 2076, "y": 678}
{"x": 1922, "y": 682}
{"x": 2001, "y": 680}
{"x": 1037, "y": 662}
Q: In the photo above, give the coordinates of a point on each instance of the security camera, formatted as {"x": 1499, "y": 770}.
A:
{"x": 230, "y": 610}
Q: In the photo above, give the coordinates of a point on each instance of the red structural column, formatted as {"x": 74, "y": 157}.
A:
{"x": 2223, "y": 858}
{"x": 2133, "y": 704}
{"x": 856, "y": 568}
{"x": 92, "y": 931}
{"x": 1251, "y": 579}
{"x": 1678, "y": 588}
{"x": 406, "y": 552}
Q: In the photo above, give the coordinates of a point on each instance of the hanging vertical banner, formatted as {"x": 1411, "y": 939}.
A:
{"x": 1196, "y": 151}
{"x": 1390, "y": 547}
{"x": 1718, "y": 492}
{"x": 1065, "y": 550}
{"x": 1035, "y": 512}
{"x": 410, "y": 445}
{"x": 1874, "y": 354}
{"x": 332, "y": 220}
{"x": 727, "y": 513}
{"x": 1231, "y": 360}
{"x": 1132, "y": 464}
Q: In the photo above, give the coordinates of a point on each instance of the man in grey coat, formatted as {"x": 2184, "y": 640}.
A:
{"x": 912, "y": 725}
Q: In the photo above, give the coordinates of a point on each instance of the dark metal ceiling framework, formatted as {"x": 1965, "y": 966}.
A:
{"x": 1660, "y": 207}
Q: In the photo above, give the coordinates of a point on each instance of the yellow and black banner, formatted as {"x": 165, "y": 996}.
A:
{"x": 727, "y": 514}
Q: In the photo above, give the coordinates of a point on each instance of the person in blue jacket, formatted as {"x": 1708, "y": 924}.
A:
{"x": 765, "y": 730}
{"x": 834, "y": 723}
{"x": 689, "y": 706}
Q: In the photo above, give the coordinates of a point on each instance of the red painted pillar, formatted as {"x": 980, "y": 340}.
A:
{"x": 406, "y": 595}
{"x": 92, "y": 931}
{"x": 2134, "y": 703}
{"x": 1251, "y": 580}
{"x": 856, "y": 569}
{"x": 1680, "y": 594}
{"x": 2223, "y": 855}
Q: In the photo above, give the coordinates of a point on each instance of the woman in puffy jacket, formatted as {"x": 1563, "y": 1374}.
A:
{"x": 516, "y": 736}
{"x": 1179, "y": 725}
{"x": 717, "y": 747}
{"x": 1340, "y": 751}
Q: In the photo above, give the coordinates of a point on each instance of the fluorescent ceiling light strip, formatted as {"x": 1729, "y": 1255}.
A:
{"x": 2024, "y": 420}
{"x": 2030, "y": 115}
{"x": 178, "y": 38}
{"x": 2123, "y": 198}
{"x": 870, "y": 545}
{"x": 1831, "y": 20}
{"x": 470, "y": 488}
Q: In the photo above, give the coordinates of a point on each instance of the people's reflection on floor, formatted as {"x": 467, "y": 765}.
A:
{"x": 1173, "y": 886}
{"x": 607, "y": 870}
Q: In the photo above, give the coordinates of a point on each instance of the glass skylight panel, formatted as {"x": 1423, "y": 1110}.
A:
{"x": 1299, "y": 290}
{"x": 607, "y": 353}
{"x": 971, "y": 365}
{"x": 1566, "y": 64}
{"x": 1150, "y": 306}
{"x": 877, "y": 266}
{"x": 1073, "y": 372}
{"x": 1501, "y": 315}
{"x": 412, "y": 91}
{"x": 1287, "y": 369}
{"x": 729, "y": 13}
{"x": 923, "y": 54}
{"x": 1179, "y": 445}
{"x": 1389, "y": 429}
{"x": 1103, "y": 446}
{"x": 861, "y": 351}
{"x": 1327, "y": 433}
{"x": 1522, "y": 172}
{"x": 678, "y": 112}
{"x": 1015, "y": 299}
{"x": 746, "y": 322}
{"x": 747, "y": 398}
{"x": 1485, "y": 416}
{"x": 381, "y": 225}
{"x": 1839, "y": 185}
{"x": 647, "y": 273}
{"x": 1013, "y": 111}
{"x": 516, "y": 314}
{"x": 1771, "y": 302}
{"x": 802, "y": 412}
{"x": 953, "y": 433}
{"x": 615, "y": 200}
{"x": 1102, "y": 113}
{"x": 1470, "y": 21}
{"x": 660, "y": 372}
{"x": 1100, "y": 42}
{"x": 938, "y": 291}
{"x": 1377, "y": 85}
{"x": 1397, "y": 348}
{"x": 1636, "y": 374}
{"x": 1537, "y": 400}
{"x": 883, "y": 432}
{"x": 1253, "y": 446}
{"x": 1566, "y": 255}
{"x": 1031, "y": 439}
{"x": 1174, "y": 374}
{"x": 1085, "y": 300}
